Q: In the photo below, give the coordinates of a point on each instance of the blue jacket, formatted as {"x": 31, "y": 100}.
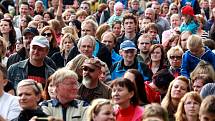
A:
{"x": 119, "y": 69}
{"x": 189, "y": 61}
{"x": 19, "y": 71}
{"x": 115, "y": 56}
{"x": 192, "y": 27}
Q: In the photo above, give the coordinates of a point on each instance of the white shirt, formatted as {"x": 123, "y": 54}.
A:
{"x": 9, "y": 106}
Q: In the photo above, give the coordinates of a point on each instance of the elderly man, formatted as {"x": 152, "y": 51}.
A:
{"x": 29, "y": 96}
{"x": 65, "y": 106}
{"x": 91, "y": 88}
{"x": 34, "y": 67}
{"x": 9, "y": 104}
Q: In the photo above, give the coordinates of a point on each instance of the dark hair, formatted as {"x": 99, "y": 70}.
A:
{"x": 25, "y": 3}
{"x": 50, "y": 14}
{"x": 129, "y": 16}
{"x": 162, "y": 79}
{"x": 152, "y": 48}
{"x": 152, "y": 26}
{"x": 123, "y": 82}
{"x": 3, "y": 70}
{"x": 116, "y": 22}
{"x": 140, "y": 85}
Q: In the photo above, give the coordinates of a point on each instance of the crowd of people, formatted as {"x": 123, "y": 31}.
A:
{"x": 107, "y": 60}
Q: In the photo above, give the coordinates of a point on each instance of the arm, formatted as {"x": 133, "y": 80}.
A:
{"x": 59, "y": 14}
{"x": 184, "y": 66}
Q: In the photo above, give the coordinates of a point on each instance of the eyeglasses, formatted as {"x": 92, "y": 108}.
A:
{"x": 174, "y": 9}
{"x": 88, "y": 69}
{"x": 175, "y": 57}
{"x": 130, "y": 51}
{"x": 46, "y": 34}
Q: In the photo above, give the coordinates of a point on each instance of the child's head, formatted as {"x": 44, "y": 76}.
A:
{"x": 207, "y": 109}
{"x": 195, "y": 45}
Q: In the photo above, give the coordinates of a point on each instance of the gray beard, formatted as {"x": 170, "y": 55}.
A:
{"x": 86, "y": 81}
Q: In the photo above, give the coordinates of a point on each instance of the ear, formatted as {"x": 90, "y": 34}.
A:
{"x": 131, "y": 94}
{"x": 38, "y": 97}
{"x": 120, "y": 52}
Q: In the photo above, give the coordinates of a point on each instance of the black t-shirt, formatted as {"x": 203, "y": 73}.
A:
{"x": 36, "y": 73}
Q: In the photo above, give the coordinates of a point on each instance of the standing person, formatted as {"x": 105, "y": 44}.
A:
{"x": 101, "y": 110}
{"x": 188, "y": 108}
{"x": 177, "y": 89}
{"x": 207, "y": 109}
{"x": 34, "y": 67}
{"x": 91, "y": 88}
{"x": 124, "y": 95}
{"x": 128, "y": 52}
{"x": 195, "y": 53}
{"x": 9, "y": 104}
{"x": 29, "y": 95}
{"x": 65, "y": 106}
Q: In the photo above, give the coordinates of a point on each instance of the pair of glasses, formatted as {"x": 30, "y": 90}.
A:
{"x": 176, "y": 57}
{"x": 46, "y": 34}
{"x": 174, "y": 9}
{"x": 88, "y": 69}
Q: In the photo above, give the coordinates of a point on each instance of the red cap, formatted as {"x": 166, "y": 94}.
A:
{"x": 187, "y": 10}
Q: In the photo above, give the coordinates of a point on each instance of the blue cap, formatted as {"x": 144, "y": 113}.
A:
{"x": 127, "y": 45}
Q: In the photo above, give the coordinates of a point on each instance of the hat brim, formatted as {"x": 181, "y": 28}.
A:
{"x": 89, "y": 65}
{"x": 38, "y": 44}
{"x": 129, "y": 48}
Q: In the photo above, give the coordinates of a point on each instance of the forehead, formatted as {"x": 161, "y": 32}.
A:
{"x": 144, "y": 39}
{"x": 25, "y": 89}
{"x": 87, "y": 42}
{"x": 108, "y": 37}
{"x": 87, "y": 26}
{"x": 24, "y": 6}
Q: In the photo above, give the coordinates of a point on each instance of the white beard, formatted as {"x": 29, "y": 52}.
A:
{"x": 86, "y": 81}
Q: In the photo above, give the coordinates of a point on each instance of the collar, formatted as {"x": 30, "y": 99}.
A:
{"x": 57, "y": 103}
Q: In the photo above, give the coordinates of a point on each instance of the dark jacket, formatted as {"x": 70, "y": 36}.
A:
{"x": 26, "y": 115}
{"x": 21, "y": 55}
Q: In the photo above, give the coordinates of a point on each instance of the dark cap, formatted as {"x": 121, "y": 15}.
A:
{"x": 31, "y": 30}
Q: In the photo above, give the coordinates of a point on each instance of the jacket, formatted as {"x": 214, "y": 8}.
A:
{"x": 76, "y": 110}
{"x": 21, "y": 55}
{"x": 192, "y": 27}
{"x": 19, "y": 71}
{"x": 189, "y": 61}
{"x": 118, "y": 70}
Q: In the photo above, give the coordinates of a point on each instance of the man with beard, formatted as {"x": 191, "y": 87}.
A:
{"x": 144, "y": 43}
{"x": 91, "y": 88}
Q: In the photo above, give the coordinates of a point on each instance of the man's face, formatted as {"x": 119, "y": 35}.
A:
{"x": 144, "y": 44}
{"x": 149, "y": 13}
{"x": 70, "y": 85}
{"x": 152, "y": 33}
{"x": 128, "y": 55}
{"x": 108, "y": 40}
{"x": 135, "y": 5}
{"x": 86, "y": 48}
{"x": 184, "y": 41}
{"x": 87, "y": 29}
{"x": 27, "y": 38}
{"x": 27, "y": 97}
{"x": 129, "y": 26}
{"x": 91, "y": 73}
{"x": 24, "y": 10}
{"x": 145, "y": 22}
{"x": 156, "y": 7}
{"x": 38, "y": 53}
{"x": 205, "y": 4}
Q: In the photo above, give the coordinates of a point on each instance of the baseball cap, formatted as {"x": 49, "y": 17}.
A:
{"x": 92, "y": 62}
{"x": 31, "y": 30}
{"x": 40, "y": 41}
{"x": 187, "y": 10}
{"x": 127, "y": 45}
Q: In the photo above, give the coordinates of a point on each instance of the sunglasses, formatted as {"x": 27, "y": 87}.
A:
{"x": 88, "y": 69}
{"x": 46, "y": 34}
{"x": 174, "y": 9}
{"x": 175, "y": 57}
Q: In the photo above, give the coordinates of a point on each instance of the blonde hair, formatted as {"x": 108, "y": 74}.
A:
{"x": 180, "y": 115}
{"x": 167, "y": 99}
{"x": 102, "y": 29}
{"x": 95, "y": 107}
{"x": 173, "y": 50}
{"x": 71, "y": 30}
{"x": 71, "y": 39}
{"x": 76, "y": 62}
{"x": 194, "y": 41}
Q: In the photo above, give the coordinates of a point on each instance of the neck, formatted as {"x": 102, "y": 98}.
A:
{"x": 155, "y": 64}
{"x": 130, "y": 35}
{"x": 125, "y": 105}
{"x": 1, "y": 92}
{"x": 36, "y": 63}
{"x": 192, "y": 118}
{"x": 175, "y": 103}
{"x": 6, "y": 37}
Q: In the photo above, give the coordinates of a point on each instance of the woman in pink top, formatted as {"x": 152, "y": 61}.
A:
{"x": 125, "y": 97}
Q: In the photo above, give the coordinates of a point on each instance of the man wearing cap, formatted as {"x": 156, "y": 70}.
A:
{"x": 34, "y": 67}
{"x": 128, "y": 52}
{"x": 91, "y": 88}
{"x": 23, "y": 53}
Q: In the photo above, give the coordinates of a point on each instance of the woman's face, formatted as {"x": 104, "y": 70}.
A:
{"x": 175, "y": 59}
{"x": 179, "y": 88}
{"x": 23, "y": 22}
{"x": 67, "y": 44}
{"x": 156, "y": 55}
{"x": 111, "y": 5}
{"x": 191, "y": 107}
{"x": 186, "y": 18}
{"x": 118, "y": 10}
{"x": 5, "y": 27}
{"x": 47, "y": 34}
{"x": 197, "y": 85}
{"x": 121, "y": 95}
{"x": 51, "y": 90}
{"x": 174, "y": 10}
{"x": 117, "y": 29}
{"x": 165, "y": 9}
{"x": 46, "y": 17}
{"x": 106, "y": 113}
{"x": 102, "y": 77}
